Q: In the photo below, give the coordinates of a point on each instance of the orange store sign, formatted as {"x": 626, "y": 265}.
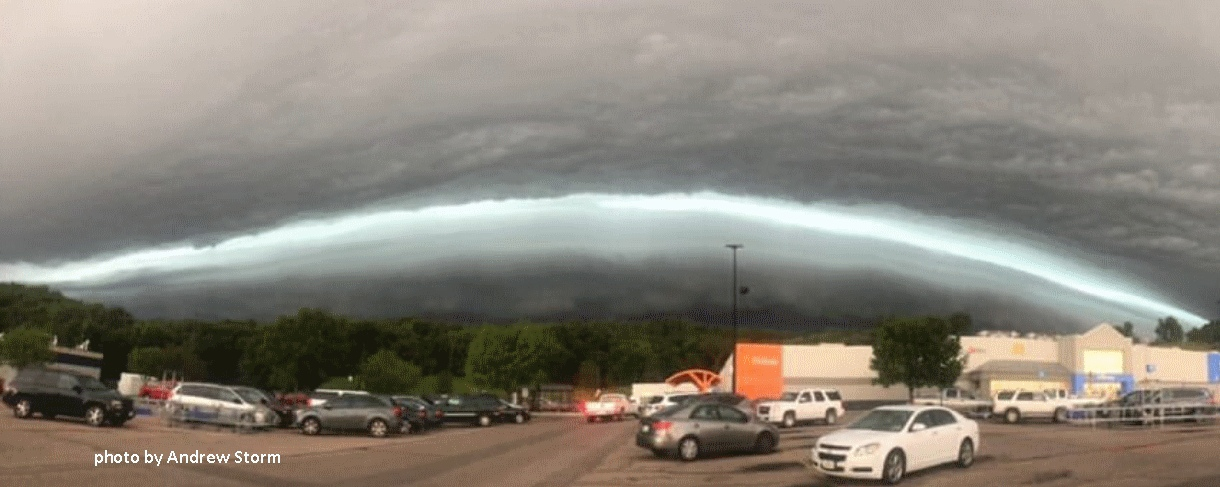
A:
{"x": 761, "y": 370}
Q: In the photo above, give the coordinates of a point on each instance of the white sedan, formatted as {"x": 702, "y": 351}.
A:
{"x": 890, "y": 441}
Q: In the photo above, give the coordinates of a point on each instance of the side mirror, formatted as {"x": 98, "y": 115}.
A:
{"x": 917, "y": 427}
{"x": 78, "y": 389}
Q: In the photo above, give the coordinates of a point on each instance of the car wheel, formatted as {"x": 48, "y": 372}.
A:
{"x": 965, "y": 454}
{"x": 484, "y": 420}
{"x": 895, "y": 467}
{"x": 688, "y": 449}
{"x": 95, "y": 416}
{"x": 789, "y": 419}
{"x": 23, "y": 409}
{"x": 1012, "y": 416}
{"x": 519, "y": 418}
{"x": 1061, "y": 415}
{"x": 832, "y": 417}
{"x": 378, "y": 428}
{"x": 311, "y": 426}
{"x": 764, "y": 444}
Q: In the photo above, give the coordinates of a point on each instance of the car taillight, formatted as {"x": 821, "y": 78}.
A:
{"x": 662, "y": 426}
{"x": 398, "y": 411}
{"x": 440, "y": 413}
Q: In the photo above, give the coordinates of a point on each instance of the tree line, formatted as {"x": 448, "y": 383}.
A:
{"x": 314, "y": 348}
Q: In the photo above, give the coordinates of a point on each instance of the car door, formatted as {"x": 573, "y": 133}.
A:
{"x": 804, "y": 406}
{"x": 921, "y": 446}
{"x": 334, "y": 413}
{"x": 67, "y": 397}
{"x": 739, "y": 433}
{"x": 820, "y": 405}
{"x": 949, "y": 435}
{"x": 706, "y": 424}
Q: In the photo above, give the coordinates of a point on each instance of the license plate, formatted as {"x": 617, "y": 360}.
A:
{"x": 828, "y": 465}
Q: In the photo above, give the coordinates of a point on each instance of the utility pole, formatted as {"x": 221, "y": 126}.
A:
{"x": 736, "y": 291}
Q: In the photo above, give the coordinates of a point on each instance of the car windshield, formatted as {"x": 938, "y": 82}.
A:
{"x": 91, "y": 383}
{"x": 251, "y": 396}
{"x": 788, "y": 396}
{"x": 882, "y": 420}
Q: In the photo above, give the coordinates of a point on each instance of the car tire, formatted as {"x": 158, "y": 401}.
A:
{"x": 688, "y": 449}
{"x": 484, "y": 420}
{"x": 378, "y": 428}
{"x": 965, "y": 454}
{"x": 1012, "y": 416}
{"x": 519, "y": 418}
{"x": 832, "y": 417}
{"x": 1060, "y": 415}
{"x": 764, "y": 444}
{"x": 789, "y": 419}
{"x": 23, "y": 409}
{"x": 311, "y": 426}
{"x": 95, "y": 416}
{"x": 895, "y": 467}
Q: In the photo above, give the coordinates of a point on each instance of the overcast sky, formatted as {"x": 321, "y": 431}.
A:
{"x": 1080, "y": 139}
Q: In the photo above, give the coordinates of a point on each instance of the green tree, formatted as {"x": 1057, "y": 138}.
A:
{"x": 298, "y": 352}
{"x": 1208, "y": 333}
{"x": 489, "y": 359}
{"x": 178, "y": 360}
{"x": 444, "y": 382}
{"x": 25, "y": 346}
{"x": 386, "y": 373}
{"x": 917, "y": 352}
{"x": 589, "y": 376}
{"x": 1168, "y": 330}
{"x": 1127, "y": 330}
{"x": 536, "y": 352}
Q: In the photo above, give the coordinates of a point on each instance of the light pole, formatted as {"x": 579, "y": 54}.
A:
{"x": 736, "y": 291}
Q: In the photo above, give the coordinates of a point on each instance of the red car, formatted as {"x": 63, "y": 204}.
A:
{"x": 159, "y": 391}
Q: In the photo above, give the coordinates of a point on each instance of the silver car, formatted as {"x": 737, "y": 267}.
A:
{"x": 696, "y": 428}
{"x": 378, "y": 415}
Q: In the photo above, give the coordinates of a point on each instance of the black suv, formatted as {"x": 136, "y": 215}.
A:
{"x": 54, "y": 393}
{"x": 475, "y": 409}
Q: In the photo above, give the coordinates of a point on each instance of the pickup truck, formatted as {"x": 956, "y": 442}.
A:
{"x": 958, "y": 400}
{"x": 802, "y": 406}
{"x": 607, "y": 406}
{"x": 1015, "y": 406}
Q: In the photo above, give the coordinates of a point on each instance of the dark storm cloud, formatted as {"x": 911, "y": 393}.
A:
{"x": 1093, "y": 124}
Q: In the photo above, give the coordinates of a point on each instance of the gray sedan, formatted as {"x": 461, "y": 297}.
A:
{"x": 693, "y": 429}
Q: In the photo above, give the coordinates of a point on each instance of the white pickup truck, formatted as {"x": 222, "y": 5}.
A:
{"x": 1015, "y": 406}
{"x": 958, "y": 400}
{"x": 801, "y": 406}
{"x": 607, "y": 406}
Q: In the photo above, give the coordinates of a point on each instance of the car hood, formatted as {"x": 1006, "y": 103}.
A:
{"x": 103, "y": 395}
{"x": 851, "y": 437}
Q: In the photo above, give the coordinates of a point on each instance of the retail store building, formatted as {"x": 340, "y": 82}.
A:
{"x": 1099, "y": 362}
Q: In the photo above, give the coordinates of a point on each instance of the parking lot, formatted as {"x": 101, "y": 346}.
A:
{"x": 558, "y": 451}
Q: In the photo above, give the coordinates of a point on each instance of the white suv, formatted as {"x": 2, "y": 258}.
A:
{"x": 802, "y": 406}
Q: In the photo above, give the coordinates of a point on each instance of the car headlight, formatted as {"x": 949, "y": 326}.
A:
{"x": 868, "y": 449}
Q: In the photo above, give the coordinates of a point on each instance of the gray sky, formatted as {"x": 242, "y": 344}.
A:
{"x": 1084, "y": 131}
